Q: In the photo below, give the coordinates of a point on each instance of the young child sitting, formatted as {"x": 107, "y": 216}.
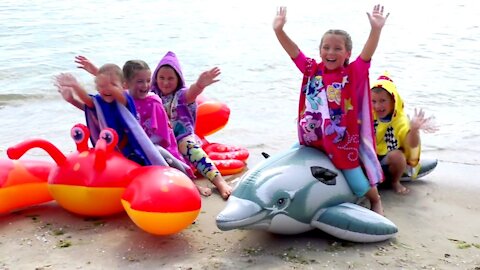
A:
{"x": 112, "y": 107}
{"x": 397, "y": 137}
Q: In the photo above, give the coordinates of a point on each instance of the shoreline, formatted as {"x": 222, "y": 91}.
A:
{"x": 438, "y": 229}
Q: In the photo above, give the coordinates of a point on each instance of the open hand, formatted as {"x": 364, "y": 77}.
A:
{"x": 419, "y": 122}
{"x": 377, "y": 20}
{"x": 65, "y": 79}
{"x": 208, "y": 77}
{"x": 84, "y": 63}
{"x": 280, "y": 18}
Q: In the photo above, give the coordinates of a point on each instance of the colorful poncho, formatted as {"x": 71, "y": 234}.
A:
{"x": 334, "y": 114}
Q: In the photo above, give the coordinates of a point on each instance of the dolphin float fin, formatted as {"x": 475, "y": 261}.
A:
{"x": 354, "y": 223}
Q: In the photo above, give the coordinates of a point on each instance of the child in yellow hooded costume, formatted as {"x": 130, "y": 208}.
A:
{"x": 397, "y": 137}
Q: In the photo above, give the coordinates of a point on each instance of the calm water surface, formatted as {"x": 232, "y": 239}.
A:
{"x": 429, "y": 47}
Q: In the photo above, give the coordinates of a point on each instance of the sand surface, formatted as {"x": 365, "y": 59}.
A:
{"x": 439, "y": 228}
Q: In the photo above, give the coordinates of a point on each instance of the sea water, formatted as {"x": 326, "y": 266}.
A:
{"x": 430, "y": 48}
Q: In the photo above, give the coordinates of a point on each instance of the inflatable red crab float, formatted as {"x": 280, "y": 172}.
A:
{"x": 100, "y": 182}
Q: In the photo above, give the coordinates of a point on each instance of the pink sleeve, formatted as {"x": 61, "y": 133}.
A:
{"x": 301, "y": 62}
{"x": 360, "y": 67}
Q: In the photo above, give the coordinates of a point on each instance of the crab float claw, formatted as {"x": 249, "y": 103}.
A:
{"x": 100, "y": 181}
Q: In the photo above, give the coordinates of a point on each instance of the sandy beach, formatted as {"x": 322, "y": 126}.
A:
{"x": 438, "y": 226}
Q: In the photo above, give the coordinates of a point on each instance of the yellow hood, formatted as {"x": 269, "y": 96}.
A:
{"x": 398, "y": 126}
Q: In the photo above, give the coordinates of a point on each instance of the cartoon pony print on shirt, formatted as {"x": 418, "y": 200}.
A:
{"x": 334, "y": 127}
{"x": 312, "y": 90}
{"x": 311, "y": 125}
{"x": 334, "y": 92}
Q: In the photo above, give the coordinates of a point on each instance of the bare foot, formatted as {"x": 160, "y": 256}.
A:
{"x": 400, "y": 189}
{"x": 376, "y": 206}
{"x": 222, "y": 186}
{"x": 205, "y": 191}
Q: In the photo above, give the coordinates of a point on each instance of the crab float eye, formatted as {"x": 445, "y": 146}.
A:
{"x": 77, "y": 134}
{"x": 80, "y": 135}
{"x": 110, "y": 136}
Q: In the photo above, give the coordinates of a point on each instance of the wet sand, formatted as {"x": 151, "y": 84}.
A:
{"x": 438, "y": 221}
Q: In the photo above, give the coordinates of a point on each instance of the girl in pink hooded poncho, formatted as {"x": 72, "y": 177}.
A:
{"x": 334, "y": 113}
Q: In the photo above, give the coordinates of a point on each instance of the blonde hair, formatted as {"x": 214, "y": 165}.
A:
{"x": 111, "y": 70}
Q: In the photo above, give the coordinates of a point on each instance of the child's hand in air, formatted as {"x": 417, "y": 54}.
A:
{"x": 377, "y": 20}
{"x": 65, "y": 79}
{"x": 280, "y": 19}
{"x": 84, "y": 63}
{"x": 208, "y": 77}
{"x": 419, "y": 122}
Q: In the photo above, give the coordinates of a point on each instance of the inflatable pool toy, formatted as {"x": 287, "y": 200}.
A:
{"x": 212, "y": 116}
{"x": 218, "y": 151}
{"x": 93, "y": 182}
{"x": 426, "y": 167}
{"x": 152, "y": 202}
{"x": 300, "y": 190}
{"x": 228, "y": 159}
{"x": 23, "y": 177}
{"x": 89, "y": 182}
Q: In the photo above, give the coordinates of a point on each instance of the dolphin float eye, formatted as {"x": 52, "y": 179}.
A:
{"x": 324, "y": 175}
{"x": 281, "y": 202}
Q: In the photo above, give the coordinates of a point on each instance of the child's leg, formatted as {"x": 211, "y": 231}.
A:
{"x": 396, "y": 166}
{"x": 375, "y": 200}
{"x": 361, "y": 187}
{"x": 195, "y": 154}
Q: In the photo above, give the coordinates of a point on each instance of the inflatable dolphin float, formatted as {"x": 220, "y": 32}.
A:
{"x": 300, "y": 190}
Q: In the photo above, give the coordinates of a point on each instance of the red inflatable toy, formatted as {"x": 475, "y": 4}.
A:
{"x": 26, "y": 178}
{"x": 152, "y": 200}
{"x": 100, "y": 182}
{"x": 211, "y": 117}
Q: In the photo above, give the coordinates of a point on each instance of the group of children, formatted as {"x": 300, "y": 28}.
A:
{"x": 363, "y": 130}
{"x": 166, "y": 115}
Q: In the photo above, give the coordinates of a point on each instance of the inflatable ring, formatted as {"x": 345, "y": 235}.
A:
{"x": 217, "y": 151}
{"x": 227, "y": 158}
{"x": 229, "y": 166}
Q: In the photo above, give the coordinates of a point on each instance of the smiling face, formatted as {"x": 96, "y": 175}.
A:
{"x": 109, "y": 81}
{"x": 334, "y": 50}
{"x": 167, "y": 80}
{"x": 137, "y": 75}
{"x": 139, "y": 85}
{"x": 382, "y": 101}
{"x": 107, "y": 84}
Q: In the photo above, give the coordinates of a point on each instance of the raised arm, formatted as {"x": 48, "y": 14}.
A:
{"x": 84, "y": 63}
{"x": 65, "y": 80}
{"x": 377, "y": 21}
{"x": 205, "y": 79}
{"x": 278, "y": 23}
{"x": 67, "y": 95}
